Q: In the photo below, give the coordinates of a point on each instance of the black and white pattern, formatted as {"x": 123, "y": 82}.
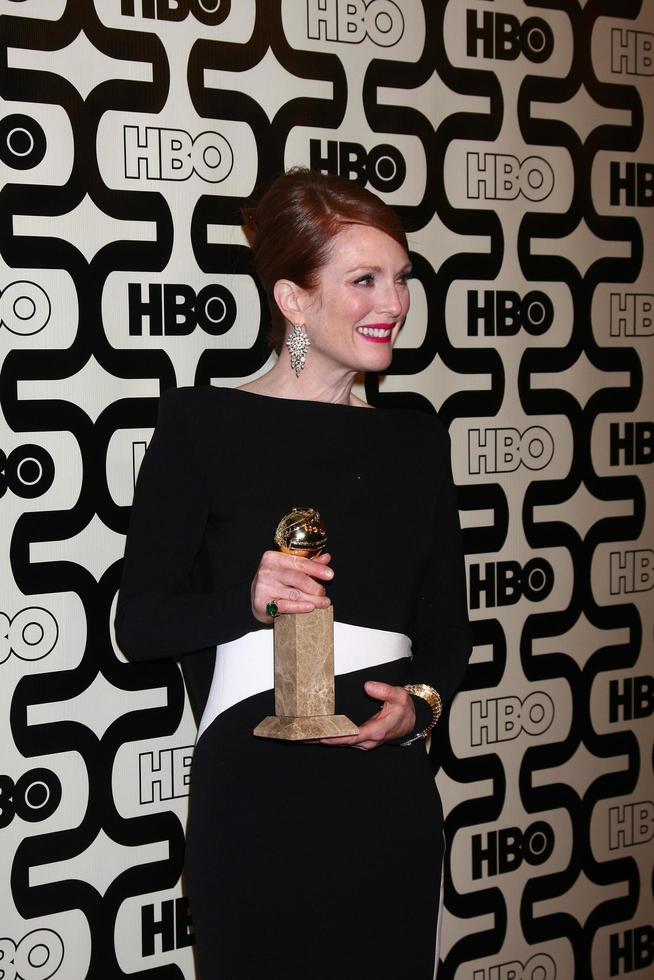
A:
{"x": 515, "y": 138}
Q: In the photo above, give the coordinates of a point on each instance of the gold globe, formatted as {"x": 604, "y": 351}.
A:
{"x": 301, "y": 533}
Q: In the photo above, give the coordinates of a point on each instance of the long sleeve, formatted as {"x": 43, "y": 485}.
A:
{"x": 442, "y": 639}
{"x": 164, "y": 607}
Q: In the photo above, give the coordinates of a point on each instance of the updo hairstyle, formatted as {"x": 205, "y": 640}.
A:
{"x": 291, "y": 230}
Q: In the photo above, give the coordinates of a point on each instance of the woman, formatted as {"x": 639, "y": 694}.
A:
{"x": 312, "y": 861}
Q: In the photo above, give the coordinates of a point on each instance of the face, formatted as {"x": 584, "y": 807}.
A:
{"x": 355, "y": 312}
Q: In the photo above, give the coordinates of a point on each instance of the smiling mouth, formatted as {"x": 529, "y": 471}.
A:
{"x": 379, "y": 335}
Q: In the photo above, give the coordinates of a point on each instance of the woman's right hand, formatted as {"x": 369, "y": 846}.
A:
{"x": 294, "y": 584}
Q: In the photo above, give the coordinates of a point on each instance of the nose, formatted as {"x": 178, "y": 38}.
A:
{"x": 392, "y": 303}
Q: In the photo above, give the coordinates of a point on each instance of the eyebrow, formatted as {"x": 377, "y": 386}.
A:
{"x": 377, "y": 268}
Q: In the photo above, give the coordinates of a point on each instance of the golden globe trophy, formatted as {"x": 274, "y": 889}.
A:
{"x": 304, "y": 651}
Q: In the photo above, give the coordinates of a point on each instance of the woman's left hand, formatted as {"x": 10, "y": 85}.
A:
{"x": 395, "y": 719}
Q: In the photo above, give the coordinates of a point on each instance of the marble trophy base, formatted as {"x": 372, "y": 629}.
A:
{"x": 304, "y": 680}
{"x": 305, "y": 729}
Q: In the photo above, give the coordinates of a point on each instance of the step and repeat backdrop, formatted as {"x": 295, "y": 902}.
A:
{"x": 516, "y": 141}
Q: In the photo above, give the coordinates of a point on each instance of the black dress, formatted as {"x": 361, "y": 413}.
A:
{"x": 303, "y": 861}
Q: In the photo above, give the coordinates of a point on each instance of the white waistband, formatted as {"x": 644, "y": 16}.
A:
{"x": 246, "y": 667}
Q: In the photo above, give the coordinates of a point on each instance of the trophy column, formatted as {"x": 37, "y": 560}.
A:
{"x": 304, "y": 652}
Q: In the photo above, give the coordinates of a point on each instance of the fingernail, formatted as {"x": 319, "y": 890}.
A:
{"x": 329, "y": 572}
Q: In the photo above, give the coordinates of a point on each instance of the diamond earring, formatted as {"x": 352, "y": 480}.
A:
{"x": 298, "y": 344}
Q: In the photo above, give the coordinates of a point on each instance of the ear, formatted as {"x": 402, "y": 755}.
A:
{"x": 291, "y": 300}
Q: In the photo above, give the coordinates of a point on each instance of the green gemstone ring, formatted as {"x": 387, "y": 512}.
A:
{"x": 272, "y": 609}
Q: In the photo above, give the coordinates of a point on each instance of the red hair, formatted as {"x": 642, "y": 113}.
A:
{"x": 291, "y": 230}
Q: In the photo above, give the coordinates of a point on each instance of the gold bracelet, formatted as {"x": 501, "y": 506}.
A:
{"x": 433, "y": 699}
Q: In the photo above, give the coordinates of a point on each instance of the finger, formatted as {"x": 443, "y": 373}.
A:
{"x": 294, "y": 601}
{"x": 287, "y": 583}
{"x": 302, "y": 584}
{"x": 279, "y": 592}
{"x": 314, "y": 568}
{"x": 323, "y": 559}
{"x": 345, "y": 740}
{"x": 381, "y": 691}
{"x": 351, "y": 742}
{"x": 295, "y": 588}
{"x": 369, "y": 735}
{"x": 293, "y": 606}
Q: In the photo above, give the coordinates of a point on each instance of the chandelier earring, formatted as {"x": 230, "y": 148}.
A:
{"x": 298, "y": 344}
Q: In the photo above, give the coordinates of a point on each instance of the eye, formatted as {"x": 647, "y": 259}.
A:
{"x": 404, "y": 278}
{"x": 367, "y": 280}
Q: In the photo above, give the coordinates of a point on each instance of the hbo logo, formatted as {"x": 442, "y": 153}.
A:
{"x": 504, "y": 313}
{"x": 632, "y": 52}
{"x": 30, "y": 635}
{"x": 502, "y": 177}
{"x": 28, "y": 471}
{"x": 210, "y": 12}
{"x": 34, "y": 797}
{"x": 540, "y": 966}
{"x": 503, "y": 719}
{"x": 633, "y": 950}
{"x": 174, "y": 310}
{"x": 632, "y": 186}
{"x": 503, "y": 37}
{"x": 504, "y": 583}
{"x": 172, "y": 154}
{"x": 632, "y": 314}
{"x": 504, "y": 450}
{"x": 37, "y": 956}
{"x": 631, "y": 824}
{"x": 383, "y": 167}
{"x": 354, "y": 20}
{"x": 505, "y": 850}
{"x": 24, "y": 308}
